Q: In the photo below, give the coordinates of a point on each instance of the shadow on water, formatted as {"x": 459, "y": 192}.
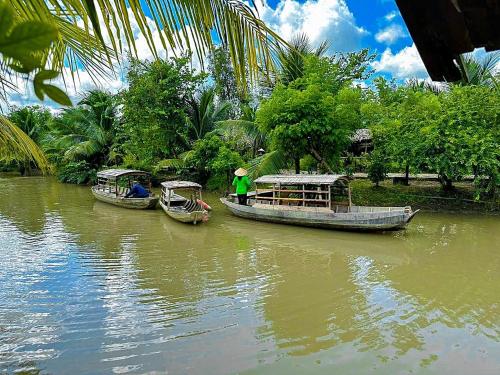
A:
{"x": 160, "y": 295}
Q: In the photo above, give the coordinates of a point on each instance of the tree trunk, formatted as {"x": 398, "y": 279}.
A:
{"x": 446, "y": 183}
{"x": 320, "y": 159}
{"x": 407, "y": 174}
{"x": 297, "y": 166}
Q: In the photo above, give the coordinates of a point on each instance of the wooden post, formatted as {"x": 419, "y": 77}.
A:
{"x": 169, "y": 196}
{"x": 330, "y": 197}
{"x": 349, "y": 191}
{"x": 116, "y": 187}
{"x": 274, "y": 194}
{"x": 303, "y": 195}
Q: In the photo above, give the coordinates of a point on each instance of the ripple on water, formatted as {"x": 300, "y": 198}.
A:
{"x": 90, "y": 288}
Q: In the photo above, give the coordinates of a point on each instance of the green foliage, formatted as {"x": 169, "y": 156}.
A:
{"x": 452, "y": 133}
{"x": 222, "y": 72}
{"x": 377, "y": 168}
{"x": 204, "y": 113}
{"x": 210, "y": 160}
{"x": 85, "y": 133}
{"x": 315, "y": 114}
{"x": 23, "y": 45}
{"x": 33, "y": 120}
{"x": 77, "y": 172}
{"x": 156, "y": 106}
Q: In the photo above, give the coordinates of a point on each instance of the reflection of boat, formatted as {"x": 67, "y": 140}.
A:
{"x": 322, "y": 201}
{"x": 113, "y": 185}
{"x": 180, "y": 208}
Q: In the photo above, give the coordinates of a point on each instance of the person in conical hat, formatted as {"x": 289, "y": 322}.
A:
{"x": 242, "y": 184}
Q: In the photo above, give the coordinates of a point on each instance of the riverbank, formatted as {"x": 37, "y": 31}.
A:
{"x": 425, "y": 195}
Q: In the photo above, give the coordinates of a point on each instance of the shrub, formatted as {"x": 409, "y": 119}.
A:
{"x": 377, "y": 169}
{"x": 79, "y": 172}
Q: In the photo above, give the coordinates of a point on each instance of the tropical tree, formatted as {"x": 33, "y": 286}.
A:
{"x": 244, "y": 133}
{"x": 316, "y": 113}
{"x": 41, "y": 39}
{"x": 156, "y": 110}
{"x": 204, "y": 112}
{"x": 82, "y": 137}
{"x": 33, "y": 120}
{"x": 479, "y": 70}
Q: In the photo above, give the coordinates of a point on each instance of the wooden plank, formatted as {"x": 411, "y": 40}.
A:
{"x": 292, "y": 199}
{"x": 294, "y": 191}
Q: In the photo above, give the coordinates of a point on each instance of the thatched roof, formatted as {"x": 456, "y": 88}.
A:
{"x": 444, "y": 29}
{"x": 180, "y": 185}
{"x": 300, "y": 179}
{"x": 114, "y": 173}
{"x": 362, "y": 135}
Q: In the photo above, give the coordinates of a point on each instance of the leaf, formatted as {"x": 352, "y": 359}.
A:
{"x": 46, "y": 74}
{"x": 38, "y": 86}
{"x": 6, "y": 19}
{"x": 57, "y": 95}
{"x": 20, "y": 68}
{"x": 28, "y": 37}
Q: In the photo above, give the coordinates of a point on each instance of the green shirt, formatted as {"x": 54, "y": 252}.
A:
{"x": 242, "y": 184}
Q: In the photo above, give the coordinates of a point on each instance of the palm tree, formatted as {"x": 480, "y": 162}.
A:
{"x": 42, "y": 38}
{"x": 205, "y": 113}
{"x": 85, "y": 132}
{"x": 244, "y": 131}
{"x": 291, "y": 60}
{"x": 479, "y": 71}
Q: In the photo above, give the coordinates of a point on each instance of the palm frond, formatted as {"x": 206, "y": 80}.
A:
{"x": 271, "y": 163}
{"x": 16, "y": 145}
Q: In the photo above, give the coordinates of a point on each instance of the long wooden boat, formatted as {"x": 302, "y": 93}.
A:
{"x": 316, "y": 201}
{"x": 192, "y": 210}
{"x": 114, "y": 184}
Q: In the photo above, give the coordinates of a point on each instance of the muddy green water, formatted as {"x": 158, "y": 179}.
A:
{"x": 87, "y": 287}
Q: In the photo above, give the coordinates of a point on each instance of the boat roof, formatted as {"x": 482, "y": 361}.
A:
{"x": 180, "y": 185}
{"x": 114, "y": 173}
{"x": 301, "y": 179}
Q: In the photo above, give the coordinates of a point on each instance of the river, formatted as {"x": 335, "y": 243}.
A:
{"x": 89, "y": 288}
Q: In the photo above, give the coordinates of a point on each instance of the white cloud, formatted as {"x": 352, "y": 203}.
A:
{"x": 321, "y": 20}
{"x": 24, "y": 93}
{"x": 390, "y": 34}
{"x": 402, "y": 65}
{"x": 390, "y": 16}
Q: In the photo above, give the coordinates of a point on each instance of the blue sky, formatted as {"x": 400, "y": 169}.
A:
{"x": 348, "y": 25}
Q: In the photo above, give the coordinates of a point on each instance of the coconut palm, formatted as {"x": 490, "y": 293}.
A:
{"x": 244, "y": 131}
{"x": 479, "y": 71}
{"x": 84, "y": 132}
{"x": 40, "y": 39}
{"x": 205, "y": 112}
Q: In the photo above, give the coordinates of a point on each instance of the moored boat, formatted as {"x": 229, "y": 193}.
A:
{"x": 322, "y": 201}
{"x": 186, "y": 210}
{"x": 114, "y": 184}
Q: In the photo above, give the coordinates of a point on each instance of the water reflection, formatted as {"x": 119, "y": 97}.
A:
{"x": 128, "y": 291}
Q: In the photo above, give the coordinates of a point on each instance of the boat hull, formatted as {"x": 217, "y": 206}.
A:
{"x": 136, "y": 203}
{"x": 193, "y": 217}
{"x": 355, "y": 221}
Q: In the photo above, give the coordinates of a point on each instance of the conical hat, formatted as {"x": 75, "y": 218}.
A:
{"x": 240, "y": 172}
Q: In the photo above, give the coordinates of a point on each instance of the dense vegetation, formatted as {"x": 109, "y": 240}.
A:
{"x": 172, "y": 120}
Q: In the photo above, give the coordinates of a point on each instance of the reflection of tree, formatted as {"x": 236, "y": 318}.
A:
{"x": 24, "y": 203}
{"x": 455, "y": 281}
{"x": 312, "y": 302}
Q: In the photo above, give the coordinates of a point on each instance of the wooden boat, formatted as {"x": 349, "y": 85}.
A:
{"x": 192, "y": 210}
{"x": 322, "y": 201}
{"x": 114, "y": 184}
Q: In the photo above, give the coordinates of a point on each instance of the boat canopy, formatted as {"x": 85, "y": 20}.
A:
{"x": 170, "y": 185}
{"x": 307, "y": 190}
{"x": 301, "y": 179}
{"x": 116, "y": 173}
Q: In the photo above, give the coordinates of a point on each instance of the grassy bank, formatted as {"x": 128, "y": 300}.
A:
{"x": 425, "y": 195}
